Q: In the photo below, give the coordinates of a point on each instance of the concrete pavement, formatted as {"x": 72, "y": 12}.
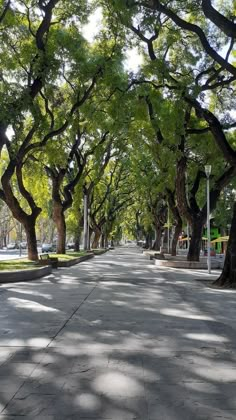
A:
{"x": 117, "y": 338}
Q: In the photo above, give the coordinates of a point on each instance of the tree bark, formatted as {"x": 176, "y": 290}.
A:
{"x": 77, "y": 242}
{"x": 226, "y": 25}
{"x": 157, "y": 243}
{"x": 148, "y": 241}
{"x": 227, "y": 278}
{"x": 178, "y": 220}
{"x": 106, "y": 241}
{"x": 178, "y": 230}
{"x": 195, "y": 243}
{"x": 102, "y": 241}
{"x": 97, "y": 236}
{"x": 59, "y": 220}
{"x": 31, "y": 239}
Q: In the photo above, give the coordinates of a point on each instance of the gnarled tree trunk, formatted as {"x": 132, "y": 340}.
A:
{"x": 195, "y": 243}
{"x": 96, "y": 239}
{"x": 227, "y": 278}
{"x": 178, "y": 230}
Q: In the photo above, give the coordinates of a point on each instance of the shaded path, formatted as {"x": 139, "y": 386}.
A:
{"x": 117, "y": 339}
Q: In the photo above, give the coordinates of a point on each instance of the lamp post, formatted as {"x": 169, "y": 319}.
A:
{"x": 85, "y": 218}
{"x": 186, "y": 178}
{"x": 208, "y": 172}
{"x": 88, "y": 246}
{"x": 168, "y": 231}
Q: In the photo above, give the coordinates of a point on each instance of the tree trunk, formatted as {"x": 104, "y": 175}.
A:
{"x": 227, "y": 278}
{"x": 31, "y": 239}
{"x": 157, "y": 243}
{"x": 148, "y": 241}
{"x": 195, "y": 243}
{"x": 178, "y": 230}
{"x": 106, "y": 241}
{"x": 59, "y": 220}
{"x": 178, "y": 220}
{"x": 77, "y": 240}
{"x": 102, "y": 241}
{"x": 96, "y": 239}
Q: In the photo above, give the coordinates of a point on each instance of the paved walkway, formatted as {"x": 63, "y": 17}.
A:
{"x": 116, "y": 338}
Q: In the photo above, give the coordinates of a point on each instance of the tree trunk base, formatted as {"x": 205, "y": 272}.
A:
{"x": 193, "y": 258}
{"x": 224, "y": 282}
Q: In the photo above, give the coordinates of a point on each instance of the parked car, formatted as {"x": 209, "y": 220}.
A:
{"x": 12, "y": 245}
{"x": 49, "y": 247}
{"x": 23, "y": 245}
{"x": 70, "y": 245}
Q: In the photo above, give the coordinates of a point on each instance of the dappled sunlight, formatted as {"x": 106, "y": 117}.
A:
{"x": 135, "y": 344}
{"x": 31, "y": 305}
{"x": 88, "y": 402}
{"x": 206, "y": 338}
{"x": 117, "y": 385}
{"x": 218, "y": 374}
{"x": 31, "y": 292}
{"x": 184, "y": 314}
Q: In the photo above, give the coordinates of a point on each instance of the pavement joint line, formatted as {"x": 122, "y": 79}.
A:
{"x": 47, "y": 347}
{"x": 8, "y": 402}
{"x": 71, "y": 316}
{"x": 21, "y": 386}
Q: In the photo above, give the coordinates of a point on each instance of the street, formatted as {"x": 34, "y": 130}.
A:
{"x": 12, "y": 254}
{"x": 118, "y": 338}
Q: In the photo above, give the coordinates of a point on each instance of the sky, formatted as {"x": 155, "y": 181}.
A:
{"x": 91, "y": 29}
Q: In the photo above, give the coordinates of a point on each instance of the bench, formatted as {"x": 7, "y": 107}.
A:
{"x": 45, "y": 259}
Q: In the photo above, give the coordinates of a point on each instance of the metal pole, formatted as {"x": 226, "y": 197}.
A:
{"x": 186, "y": 177}
{"x": 85, "y": 222}
{"x": 208, "y": 228}
{"x": 168, "y": 231}
{"x": 88, "y": 247}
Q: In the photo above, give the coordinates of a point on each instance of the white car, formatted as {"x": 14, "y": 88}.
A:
{"x": 12, "y": 245}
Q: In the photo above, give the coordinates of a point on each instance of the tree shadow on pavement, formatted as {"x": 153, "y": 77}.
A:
{"x": 116, "y": 341}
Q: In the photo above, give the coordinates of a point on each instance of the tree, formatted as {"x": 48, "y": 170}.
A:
{"x": 194, "y": 72}
{"x": 35, "y": 127}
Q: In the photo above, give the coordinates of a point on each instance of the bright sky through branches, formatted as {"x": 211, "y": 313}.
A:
{"x": 91, "y": 29}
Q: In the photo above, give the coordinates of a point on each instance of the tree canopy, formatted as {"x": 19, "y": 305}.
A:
{"x": 76, "y": 118}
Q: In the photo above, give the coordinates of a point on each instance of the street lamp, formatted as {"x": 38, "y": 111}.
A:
{"x": 186, "y": 177}
{"x": 208, "y": 172}
{"x": 88, "y": 244}
{"x": 85, "y": 217}
{"x": 168, "y": 231}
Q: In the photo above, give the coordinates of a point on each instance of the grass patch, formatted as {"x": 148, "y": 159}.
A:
{"x": 69, "y": 255}
{"x": 19, "y": 264}
{"x": 25, "y": 264}
{"x": 99, "y": 251}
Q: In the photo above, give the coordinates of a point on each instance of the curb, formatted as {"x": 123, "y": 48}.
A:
{"x": 28, "y": 275}
{"x": 101, "y": 252}
{"x": 24, "y": 275}
{"x": 75, "y": 261}
{"x": 198, "y": 265}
